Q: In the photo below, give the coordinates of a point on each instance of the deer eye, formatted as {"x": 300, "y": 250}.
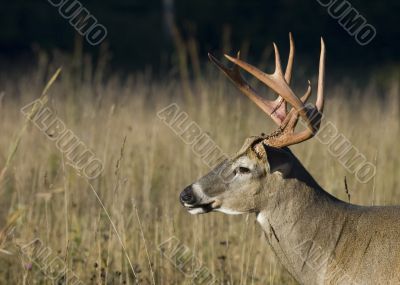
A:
{"x": 243, "y": 170}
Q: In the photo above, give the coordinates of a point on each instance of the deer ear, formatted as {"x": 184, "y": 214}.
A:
{"x": 279, "y": 160}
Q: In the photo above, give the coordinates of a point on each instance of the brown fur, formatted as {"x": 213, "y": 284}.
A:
{"x": 318, "y": 238}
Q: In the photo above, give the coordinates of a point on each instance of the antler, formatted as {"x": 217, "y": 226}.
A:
{"x": 279, "y": 83}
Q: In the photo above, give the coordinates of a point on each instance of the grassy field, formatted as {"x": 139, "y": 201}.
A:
{"x": 55, "y": 228}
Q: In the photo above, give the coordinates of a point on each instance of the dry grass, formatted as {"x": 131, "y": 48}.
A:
{"x": 143, "y": 177}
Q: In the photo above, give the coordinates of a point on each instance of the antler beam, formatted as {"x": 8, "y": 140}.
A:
{"x": 279, "y": 83}
{"x": 275, "y": 109}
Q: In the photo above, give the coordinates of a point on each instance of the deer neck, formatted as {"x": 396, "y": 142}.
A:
{"x": 301, "y": 222}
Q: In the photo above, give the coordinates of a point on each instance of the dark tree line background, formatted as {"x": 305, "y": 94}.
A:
{"x": 138, "y": 35}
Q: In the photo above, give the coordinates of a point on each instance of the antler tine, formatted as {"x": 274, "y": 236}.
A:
{"x": 307, "y": 95}
{"x": 289, "y": 67}
{"x": 272, "y": 108}
{"x": 293, "y": 113}
{"x": 275, "y": 81}
{"x": 287, "y": 136}
{"x": 321, "y": 77}
{"x": 288, "y": 76}
{"x": 275, "y": 109}
{"x": 278, "y": 65}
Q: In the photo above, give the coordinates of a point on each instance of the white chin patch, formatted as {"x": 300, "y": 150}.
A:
{"x": 196, "y": 211}
{"x": 228, "y": 211}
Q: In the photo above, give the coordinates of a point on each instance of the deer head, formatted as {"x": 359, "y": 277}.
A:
{"x": 264, "y": 164}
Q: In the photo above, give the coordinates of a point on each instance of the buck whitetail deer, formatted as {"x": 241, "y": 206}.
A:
{"x": 318, "y": 238}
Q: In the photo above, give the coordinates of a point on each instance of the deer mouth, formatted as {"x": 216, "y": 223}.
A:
{"x": 200, "y": 208}
{"x": 196, "y": 202}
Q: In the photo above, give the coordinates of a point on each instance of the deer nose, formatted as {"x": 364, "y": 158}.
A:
{"x": 187, "y": 195}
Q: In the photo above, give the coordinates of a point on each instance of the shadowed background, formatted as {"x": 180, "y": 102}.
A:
{"x": 139, "y": 35}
